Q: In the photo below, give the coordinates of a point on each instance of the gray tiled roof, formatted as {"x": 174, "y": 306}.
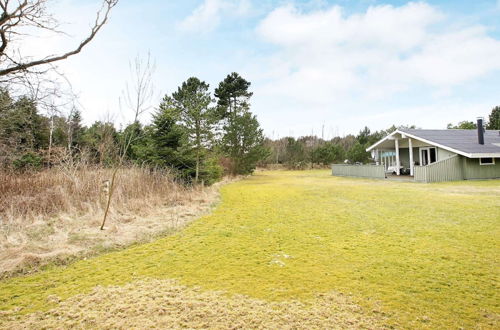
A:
{"x": 464, "y": 140}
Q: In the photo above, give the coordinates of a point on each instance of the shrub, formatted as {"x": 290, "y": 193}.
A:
{"x": 212, "y": 171}
{"x": 29, "y": 160}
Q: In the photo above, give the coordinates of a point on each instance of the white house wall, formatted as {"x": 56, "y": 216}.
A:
{"x": 403, "y": 143}
{"x": 444, "y": 154}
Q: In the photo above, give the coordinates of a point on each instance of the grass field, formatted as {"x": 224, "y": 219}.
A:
{"x": 376, "y": 253}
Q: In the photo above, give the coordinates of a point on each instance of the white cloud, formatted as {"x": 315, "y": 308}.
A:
{"x": 403, "y": 65}
{"x": 380, "y": 26}
{"x": 208, "y": 15}
{"x": 375, "y": 54}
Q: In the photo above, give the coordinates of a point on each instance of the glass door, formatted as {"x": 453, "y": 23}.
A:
{"x": 428, "y": 156}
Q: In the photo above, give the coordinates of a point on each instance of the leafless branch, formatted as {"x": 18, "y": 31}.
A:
{"x": 33, "y": 13}
{"x": 137, "y": 95}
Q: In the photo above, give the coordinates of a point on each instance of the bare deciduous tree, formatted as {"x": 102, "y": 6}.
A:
{"x": 19, "y": 14}
{"x": 138, "y": 93}
{"x": 136, "y": 97}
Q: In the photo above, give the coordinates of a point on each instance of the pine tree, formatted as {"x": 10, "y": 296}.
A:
{"x": 75, "y": 129}
{"x": 192, "y": 102}
{"x": 165, "y": 144}
{"x": 243, "y": 139}
{"x": 27, "y": 130}
{"x": 232, "y": 96}
{"x": 494, "y": 119}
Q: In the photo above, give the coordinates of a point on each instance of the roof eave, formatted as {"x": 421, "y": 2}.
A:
{"x": 373, "y": 146}
{"x": 439, "y": 145}
{"x": 485, "y": 155}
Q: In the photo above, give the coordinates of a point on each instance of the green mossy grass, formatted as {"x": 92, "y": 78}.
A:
{"x": 425, "y": 254}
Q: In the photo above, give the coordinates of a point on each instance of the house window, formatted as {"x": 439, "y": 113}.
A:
{"x": 428, "y": 155}
{"x": 487, "y": 161}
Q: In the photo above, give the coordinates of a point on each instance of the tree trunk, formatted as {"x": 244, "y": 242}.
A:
{"x": 197, "y": 165}
{"x": 70, "y": 135}
{"x": 51, "y": 132}
{"x": 198, "y": 148}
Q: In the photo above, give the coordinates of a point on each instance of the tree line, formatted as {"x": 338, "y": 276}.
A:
{"x": 195, "y": 133}
{"x": 492, "y": 123}
{"x": 192, "y": 132}
{"x": 310, "y": 151}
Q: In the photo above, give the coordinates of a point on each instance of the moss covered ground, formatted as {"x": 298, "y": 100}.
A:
{"x": 423, "y": 255}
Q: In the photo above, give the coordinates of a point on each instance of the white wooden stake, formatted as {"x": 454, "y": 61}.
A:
{"x": 410, "y": 147}
{"x": 396, "y": 143}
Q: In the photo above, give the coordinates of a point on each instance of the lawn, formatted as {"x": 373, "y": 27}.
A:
{"x": 410, "y": 255}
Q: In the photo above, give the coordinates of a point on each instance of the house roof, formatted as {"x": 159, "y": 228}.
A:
{"x": 460, "y": 141}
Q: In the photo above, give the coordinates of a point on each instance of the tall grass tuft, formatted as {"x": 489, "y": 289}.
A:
{"x": 56, "y": 212}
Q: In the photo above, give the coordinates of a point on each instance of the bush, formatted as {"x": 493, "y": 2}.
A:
{"x": 358, "y": 154}
{"x": 29, "y": 160}
{"x": 211, "y": 171}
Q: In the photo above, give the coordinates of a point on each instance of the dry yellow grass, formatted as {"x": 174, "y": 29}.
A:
{"x": 165, "y": 304}
{"x": 53, "y": 216}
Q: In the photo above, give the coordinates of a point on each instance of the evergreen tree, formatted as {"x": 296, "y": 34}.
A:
{"x": 5, "y": 144}
{"x": 101, "y": 139}
{"x": 242, "y": 137}
{"x": 363, "y": 135}
{"x": 463, "y": 125}
{"x": 29, "y": 128}
{"x": 166, "y": 142}
{"x": 23, "y": 131}
{"x": 5, "y": 102}
{"x": 232, "y": 96}
{"x": 60, "y": 132}
{"x": 358, "y": 154}
{"x": 243, "y": 142}
{"x": 75, "y": 130}
{"x": 329, "y": 153}
{"x": 295, "y": 150}
{"x": 192, "y": 102}
{"x": 494, "y": 119}
{"x": 130, "y": 140}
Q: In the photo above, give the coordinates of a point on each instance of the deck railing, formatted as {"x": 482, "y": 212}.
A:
{"x": 449, "y": 169}
{"x": 363, "y": 171}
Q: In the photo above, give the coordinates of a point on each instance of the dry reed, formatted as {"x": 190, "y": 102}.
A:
{"x": 56, "y": 211}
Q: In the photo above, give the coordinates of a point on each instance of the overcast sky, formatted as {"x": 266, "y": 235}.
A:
{"x": 340, "y": 65}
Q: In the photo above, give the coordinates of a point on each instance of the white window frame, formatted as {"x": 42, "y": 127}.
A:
{"x": 485, "y": 164}
{"x": 427, "y": 150}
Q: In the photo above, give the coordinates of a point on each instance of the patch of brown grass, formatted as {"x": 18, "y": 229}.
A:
{"x": 166, "y": 304}
{"x": 54, "y": 215}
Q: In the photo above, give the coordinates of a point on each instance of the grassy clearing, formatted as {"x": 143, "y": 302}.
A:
{"x": 424, "y": 255}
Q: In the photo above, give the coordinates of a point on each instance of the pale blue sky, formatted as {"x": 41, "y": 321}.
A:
{"x": 341, "y": 64}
